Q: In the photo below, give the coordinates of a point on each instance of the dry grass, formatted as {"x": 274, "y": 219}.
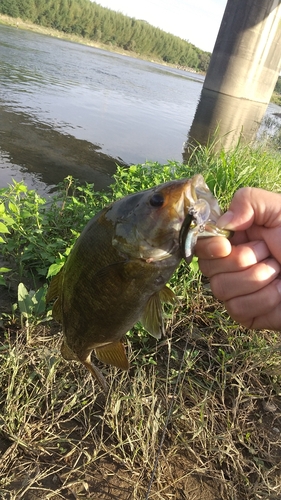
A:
{"x": 197, "y": 417}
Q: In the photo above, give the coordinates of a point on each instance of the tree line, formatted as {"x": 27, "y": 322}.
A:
{"x": 94, "y": 22}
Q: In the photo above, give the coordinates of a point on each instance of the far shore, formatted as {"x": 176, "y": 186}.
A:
{"x": 27, "y": 25}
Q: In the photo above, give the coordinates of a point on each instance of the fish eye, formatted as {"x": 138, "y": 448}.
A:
{"x": 156, "y": 200}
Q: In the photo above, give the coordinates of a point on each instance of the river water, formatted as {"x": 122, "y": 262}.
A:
{"x": 67, "y": 108}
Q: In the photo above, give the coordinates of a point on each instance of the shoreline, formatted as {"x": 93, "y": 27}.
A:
{"x": 36, "y": 28}
{"x": 17, "y": 22}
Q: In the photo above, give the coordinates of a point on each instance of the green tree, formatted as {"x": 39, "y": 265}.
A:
{"x": 91, "y": 20}
{"x": 9, "y": 8}
{"x": 27, "y": 10}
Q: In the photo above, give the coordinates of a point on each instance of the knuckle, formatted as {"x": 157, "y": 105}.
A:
{"x": 243, "y": 257}
{"x": 238, "y": 312}
{"x": 220, "y": 287}
{"x": 205, "y": 267}
{"x": 243, "y": 193}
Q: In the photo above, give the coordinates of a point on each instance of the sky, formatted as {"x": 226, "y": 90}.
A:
{"x": 196, "y": 21}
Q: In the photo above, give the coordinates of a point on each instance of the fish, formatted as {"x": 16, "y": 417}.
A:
{"x": 117, "y": 270}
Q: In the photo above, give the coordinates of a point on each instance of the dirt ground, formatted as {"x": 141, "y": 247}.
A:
{"x": 106, "y": 479}
{"x": 37, "y": 470}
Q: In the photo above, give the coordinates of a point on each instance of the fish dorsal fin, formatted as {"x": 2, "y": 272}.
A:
{"x": 54, "y": 292}
{"x": 152, "y": 317}
{"x": 54, "y": 287}
{"x": 113, "y": 354}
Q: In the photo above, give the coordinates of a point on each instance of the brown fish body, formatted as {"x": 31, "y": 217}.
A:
{"x": 116, "y": 273}
{"x": 105, "y": 297}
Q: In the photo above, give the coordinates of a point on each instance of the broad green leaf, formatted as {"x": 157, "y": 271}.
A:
{"x": 3, "y": 228}
{"x": 24, "y": 300}
{"x": 7, "y": 219}
{"x": 4, "y": 269}
{"x": 54, "y": 269}
{"x": 13, "y": 207}
{"x": 39, "y": 303}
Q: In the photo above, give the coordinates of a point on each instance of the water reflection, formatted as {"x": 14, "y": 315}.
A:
{"x": 50, "y": 155}
{"x": 57, "y": 90}
{"x": 225, "y": 120}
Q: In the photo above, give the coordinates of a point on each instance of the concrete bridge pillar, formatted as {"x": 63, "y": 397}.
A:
{"x": 242, "y": 74}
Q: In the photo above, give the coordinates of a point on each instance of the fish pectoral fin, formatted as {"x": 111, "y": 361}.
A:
{"x": 152, "y": 317}
{"x": 113, "y": 354}
{"x": 167, "y": 295}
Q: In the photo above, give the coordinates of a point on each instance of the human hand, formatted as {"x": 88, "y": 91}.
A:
{"x": 245, "y": 271}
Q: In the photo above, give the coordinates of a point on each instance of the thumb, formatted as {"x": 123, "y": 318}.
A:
{"x": 252, "y": 206}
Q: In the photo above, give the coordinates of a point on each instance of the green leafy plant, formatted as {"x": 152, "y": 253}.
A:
{"x": 32, "y": 307}
{"x": 38, "y": 233}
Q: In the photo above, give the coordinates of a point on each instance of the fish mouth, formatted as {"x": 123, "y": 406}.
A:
{"x": 197, "y": 225}
{"x": 211, "y": 229}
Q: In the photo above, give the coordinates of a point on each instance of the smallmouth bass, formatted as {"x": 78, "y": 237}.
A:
{"x": 117, "y": 271}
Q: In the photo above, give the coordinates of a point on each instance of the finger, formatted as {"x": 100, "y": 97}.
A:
{"x": 249, "y": 206}
{"x": 225, "y": 286}
{"x": 212, "y": 248}
{"x": 258, "y": 310}
{"x": 272, "y": 238}
{"x": 241, "y": 257}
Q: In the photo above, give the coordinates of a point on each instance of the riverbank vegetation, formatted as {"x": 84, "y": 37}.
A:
{"x": 98, "y": 24}
{"x": 199, "y": 411}
{"x": 193, "y": 59}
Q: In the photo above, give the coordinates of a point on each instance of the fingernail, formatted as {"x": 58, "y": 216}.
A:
{"x": 218, "y": 247}
{"x": 224, "y": 222}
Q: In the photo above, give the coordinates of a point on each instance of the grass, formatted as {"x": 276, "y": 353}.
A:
{"x": 198, "y": 416}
